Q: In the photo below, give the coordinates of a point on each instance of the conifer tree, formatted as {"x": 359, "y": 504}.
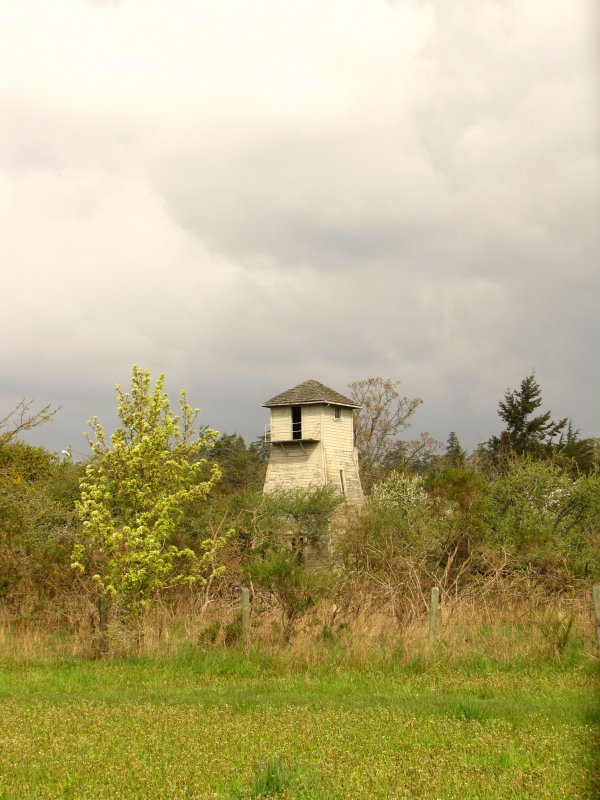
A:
{"x": 455, "y": 454}
{"x": 525, "y": 433}
{"x": 577, "y": 451}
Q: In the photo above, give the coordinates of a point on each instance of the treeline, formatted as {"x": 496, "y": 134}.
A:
{"x": 163, "y": 513}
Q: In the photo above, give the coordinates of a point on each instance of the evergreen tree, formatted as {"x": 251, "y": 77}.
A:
{"x": 455, "y": 454}
{"x": 581, "y": 452}
{"x": 243, "y": 467}
{"x": 525, "y": 433}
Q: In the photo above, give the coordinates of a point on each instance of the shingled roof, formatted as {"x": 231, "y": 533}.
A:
{"x": 309, "y": 393}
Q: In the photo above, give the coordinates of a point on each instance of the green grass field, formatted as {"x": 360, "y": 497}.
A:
{"x": 225, "y": 725}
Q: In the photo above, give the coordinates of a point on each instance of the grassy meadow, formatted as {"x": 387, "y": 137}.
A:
{"x": 167, "y": 630}
{"x": 228, "y": 724}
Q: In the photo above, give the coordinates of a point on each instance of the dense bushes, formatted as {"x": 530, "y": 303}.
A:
{"x": 38, "y": 525}
{"x": 545, "y": 520}
{"x": 453, "y": 527}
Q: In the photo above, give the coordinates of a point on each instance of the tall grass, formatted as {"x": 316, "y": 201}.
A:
{"x": 503, "y": 623}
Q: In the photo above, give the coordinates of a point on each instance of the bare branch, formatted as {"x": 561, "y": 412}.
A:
{"x": 21, "y": 418}
{"x": 384, "y": 414}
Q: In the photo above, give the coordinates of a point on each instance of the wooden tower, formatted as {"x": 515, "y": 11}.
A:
{"x": 312, "y": 441}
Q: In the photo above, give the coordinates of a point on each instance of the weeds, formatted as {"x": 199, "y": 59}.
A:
{"x": 556, "y": 630}
{"x": 470, "y": 711}
{"x": 492, "y": 626}
{"x": 281, "y": 778}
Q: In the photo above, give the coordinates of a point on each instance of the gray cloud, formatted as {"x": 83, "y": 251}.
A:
{"x": 244, "y": 200}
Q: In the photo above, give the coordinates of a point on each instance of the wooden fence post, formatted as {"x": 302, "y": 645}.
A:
{"x": 103, "y": 624}
{"x": 596, "y": 597}
{"x": 433, "y": 615}
{"x": 245, "y": 615}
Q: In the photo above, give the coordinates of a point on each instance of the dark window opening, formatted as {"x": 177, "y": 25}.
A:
{"x": 296, "y": 422}
{"x": 337, "y": 412}
{"x": 342, "y": 483}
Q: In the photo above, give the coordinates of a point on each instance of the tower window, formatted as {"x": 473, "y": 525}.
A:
{"x": 296, "y": 422}
{"x": 337, "y": 412}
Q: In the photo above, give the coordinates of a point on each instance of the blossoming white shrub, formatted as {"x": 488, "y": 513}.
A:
{"x": 400, "y": 491}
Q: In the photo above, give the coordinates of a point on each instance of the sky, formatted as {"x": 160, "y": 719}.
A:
{"x": 244, "y": 195}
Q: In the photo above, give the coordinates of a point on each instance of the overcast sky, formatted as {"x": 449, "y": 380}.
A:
{"x": 244, "y": 194}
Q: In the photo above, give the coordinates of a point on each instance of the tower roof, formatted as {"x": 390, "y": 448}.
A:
{"x": 310, "y": 392}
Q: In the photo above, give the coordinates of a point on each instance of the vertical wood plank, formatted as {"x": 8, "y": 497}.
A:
{"x": 245, "y": 615}
{"x": 103, "y": 625}
{"x": 433, "y": 615}
{"x": 596, "y": 597}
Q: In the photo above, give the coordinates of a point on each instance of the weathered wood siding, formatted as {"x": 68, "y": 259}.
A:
{"x": 337, "y": 433}
{"x": 294, "y": 466}
{"x": 341, "y": 458}
{"x": 281, "y": 424}
{"x": 331, "y": 459}
{"x": 346, "y": 463}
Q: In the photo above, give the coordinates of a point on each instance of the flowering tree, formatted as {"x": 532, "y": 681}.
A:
{"x": 400, "y": 491}
{"x": 134, "y": 493}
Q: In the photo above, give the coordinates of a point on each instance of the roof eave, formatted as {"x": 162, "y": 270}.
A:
{"x": 310, "y": 403}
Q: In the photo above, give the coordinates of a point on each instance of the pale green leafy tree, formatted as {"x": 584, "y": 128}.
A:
{"x": 135, "y": 491}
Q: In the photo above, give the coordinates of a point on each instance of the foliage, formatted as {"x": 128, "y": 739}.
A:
{"x": 455, "y": 454}
{"x": 399, "y": 490}
{"x": 390, "y": 551}
{"x": 34, "y": 524}
{"x": 545, "y": 519}
{"x": 288, "y": 526}
{"x": 25, "y": 462}
{"x": 306, "y": 512}
{"x": 418, "y": 455}
{"x": 37, "y": 522}
{"x": 415, "y": 533}
{"x": 243, "y": 467}
{"x": 572, "y": 450}
{"x": 134, "y": 494}
{"x": 526, "y": 434}
{"x": 295, "y": 587}
{"x": 458, "y": 498}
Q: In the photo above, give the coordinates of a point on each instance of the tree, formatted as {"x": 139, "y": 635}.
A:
{"x": 455, "y": 455}
{"x": 33, "y": 521}
{"x": 37, "y": 524}
{"x": 383, "y": 415}
{"x": 414, "y": 455}
{"x": 134, "y": 493}
{"x": 398, "y": 490}
{"x": 526, "y": 434}
{"x": 20, "y": 419}
{"x": 544, "y": 519}
{"x": 243, "y": 467}
{"x": 578, "y": 452}
{"x": 457, "y": 496}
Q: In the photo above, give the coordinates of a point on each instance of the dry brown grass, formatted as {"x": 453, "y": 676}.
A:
{"x": 495, "y": 617}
